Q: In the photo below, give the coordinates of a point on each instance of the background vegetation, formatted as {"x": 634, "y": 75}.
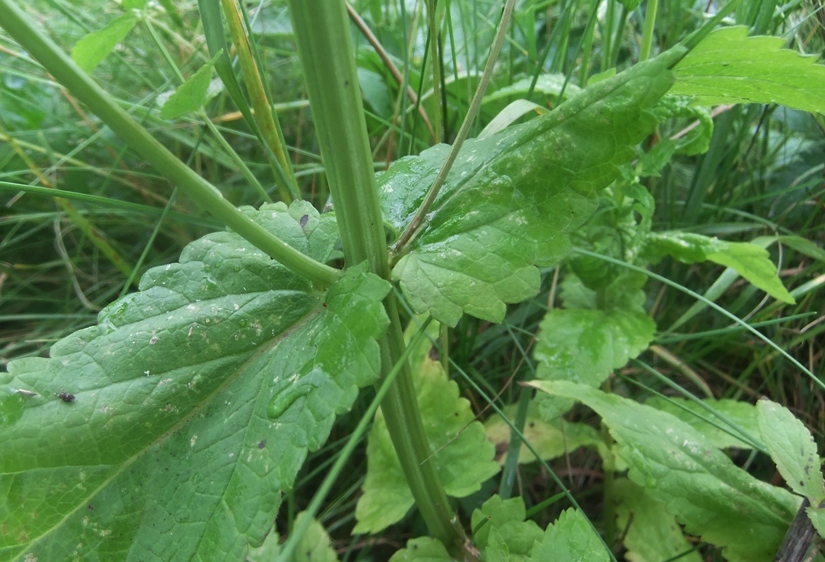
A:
{"x": 103, "y": 218}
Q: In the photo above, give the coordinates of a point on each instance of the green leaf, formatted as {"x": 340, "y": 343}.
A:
{"x": 550, "y": 85}
{"x": 730, "y": 67}
{"x": 96, "y": 46}
{"x": 652, "y": 533}
{"x": 511, "y": 200}
{"x": 802, "y": 245}
{"x": 719, "y": 432}
{"x": 793, "y": 450}
{"x": 697, "y": 140}
{"x": 571, "y": 539}
{"x": 463, "y": 456}
{"x": 696, "y": 481}
{"x": 505, "y": 527}
{"x": 424, "y": 549}
{"x": 191, "y": 95}
{"x": 167, "y": 446}
{"x": 585, "y": 344}
{"x": 315, "y": 546}
{"x": 748, "y": 260}
{"x": 550, "y": 439}
{"x": 817, "y": 517}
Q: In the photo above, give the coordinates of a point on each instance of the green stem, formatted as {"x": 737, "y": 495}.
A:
{"x": 318, "y": 498}
{"x": 244, "y": 169}
{"x": 81, "y": 85}
{"x": 647, "y": 34}
{"x": 325, "y": 48}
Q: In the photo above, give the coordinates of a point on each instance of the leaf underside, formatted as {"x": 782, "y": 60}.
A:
{"x": 714, "y": 428}
{"x": 749, "y": 260}
{"x": 697, "y": 482}
{"x": 511, "y": 200}
{"x": 168, "y": 450}
{"x": 793, "y": 449}
{"x": 651, "y": 534}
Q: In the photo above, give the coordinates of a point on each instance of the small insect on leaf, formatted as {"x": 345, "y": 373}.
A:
{"x": 65, "y": 396}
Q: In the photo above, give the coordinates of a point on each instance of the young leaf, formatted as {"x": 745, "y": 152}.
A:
{"x": 196, "y": 400}
{"x": 793, "y": 450}
{"x": 651, "y": 534}
{"x": 423, "y": 549}
{"x": 571, "y": 539}
{"x": 730, "y": 67}
{"x": 721, "y": 434}
{"x": 505, "y": 527}
{"x": 191, "y": 95}
{"x": 314, "y": 546}
{"x": 817, "y": 517}
{"x": 463, "y": 456}
{"x": 511, "y": 200}
{"x": 585, "y": 344}
{"x": 96, "y": 46}
{"x": 549, "y": 439}
{"x": 748, "y": 260}
{"x": 697, "y": 482}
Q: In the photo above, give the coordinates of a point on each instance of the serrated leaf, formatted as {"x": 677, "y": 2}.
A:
{"x": 423, "y": 549}
{"x": 550, "y": 439}
{"x": 652, "y": 533}
{"x": 167, "y": 446}
{"x": 817, "y": 517}
{"x": 696, "y": 481}
{"x": 720, "y": 434}
{"x": 510, "y": 201}
{"x": 192, "y": 94}
{"x": 749, "y": 260}
{"x": 697, "y": 140}
{"x": 793, "y": 450}
{"x": 462, "y": 454}
{"x": 96, "y": 46}
{"x": 315, "y": 545}
{"x": 586, "y": 344}
{"x": 730, "y": 67}
{"x": 572, "y": 539}
{"x": 505, "y": 527}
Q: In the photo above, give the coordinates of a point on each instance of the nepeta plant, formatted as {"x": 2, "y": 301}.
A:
{"x": 197, "y": 398}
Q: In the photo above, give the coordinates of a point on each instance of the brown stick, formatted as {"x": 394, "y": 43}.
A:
{"x": 798, "y": 540}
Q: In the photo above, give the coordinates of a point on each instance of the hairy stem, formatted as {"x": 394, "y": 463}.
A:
{"x": 327, "y": 56}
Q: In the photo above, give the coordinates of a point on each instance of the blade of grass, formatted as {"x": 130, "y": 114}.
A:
{"x": 417, "y": 221}
{"x": 17, "y": 24}
{"x": 712, "y": 305}
{"x": 262, "y": 111}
